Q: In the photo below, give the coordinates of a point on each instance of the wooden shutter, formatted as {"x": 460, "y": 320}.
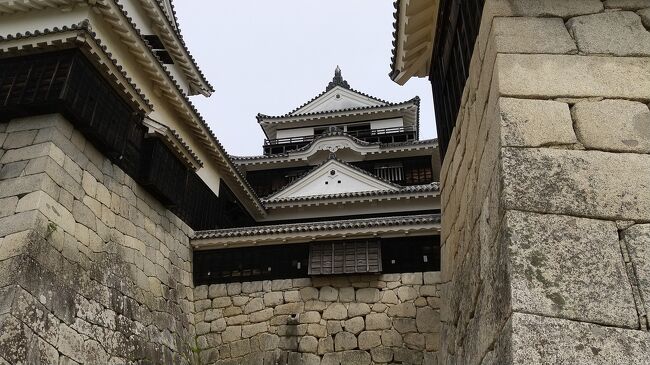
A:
{"x": 351, "y": 257}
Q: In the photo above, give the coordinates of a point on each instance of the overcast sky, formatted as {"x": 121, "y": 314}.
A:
{"x": 269, "y": 57}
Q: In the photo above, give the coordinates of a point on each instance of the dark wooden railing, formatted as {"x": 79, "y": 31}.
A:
{"x": 382, "y": 135}
{"x": 457, "y": 30}
{"x": 66, "y": 82}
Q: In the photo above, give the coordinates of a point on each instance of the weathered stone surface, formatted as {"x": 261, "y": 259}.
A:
{"x": 581, "y": 183}
{"x": 290, "y": 308}
{"x": 391, "y": 338}
{"x": 291, "y": 296}
{"x": 272, "y": 299}
{"x": 534, "y": 123}
{"x": 532, "y": 35}
{"x": 310, "y": 317}
{"x": 328, "y": 294}
{"x": 354, "y": 325}
{"x": 335, "y": 311}
{"x": 377, "y": 321}
{"x": 232, "y": 333}
{"x": 346, "y": 295}
{"x": 261, "y": 316}
{"x": 309, "y": 293}
{"x": 368, "y": 295}
{"x": 254, "y": 305}
{"x": 240, "y": 348}
{"x": 233, "y": 288}
{"x": 613, "y": 125}
{"x": 355, "y": 357}
{"x": 626, "y": 4}
{"x": 402, "y": 310}
{"x": 317, "y": 330}
{"x": 8, "y": 206}
{"x": 251, "y": 287}
{"x": 550, "y": 76}
{"x": 381, "y": 354}
{"x": 326, "y": 345}
{"x": 404, "y": 325}
{"x": 369, "y": 339}
{"x": 618, "y": 33}
{"x": 637, "y": 240}
{"x": 556, "y": 8}
{"x": 345, "y": 341}
{"x": 251, "y": 330}
{"x": 308, "y": 344}
{"x": 358, "y": 309}
{"x": 540, "y": 340}
{"x": 561, "y": 266}
{"x": 645, "y": 17}
{"x": 427, "y": 320}
{"x": 406, "y": 293}
{"x": 414, "y": 278}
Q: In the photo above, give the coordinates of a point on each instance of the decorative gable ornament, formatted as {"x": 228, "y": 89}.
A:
{"x": 338, "y": 95}
{"x": 333, "y": 177}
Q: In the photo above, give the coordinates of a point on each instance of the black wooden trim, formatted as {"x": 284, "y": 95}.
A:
{"x": 395, "y": 255}
{"x": 457, "y": 29}
{"x": 66, "y": 82}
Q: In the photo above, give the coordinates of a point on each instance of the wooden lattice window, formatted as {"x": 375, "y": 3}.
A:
{"x": 351, "y": 257}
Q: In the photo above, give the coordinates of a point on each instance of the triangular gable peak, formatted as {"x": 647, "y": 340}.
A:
{"x": 333, "y": 177}
{"x": 338, "y": 96}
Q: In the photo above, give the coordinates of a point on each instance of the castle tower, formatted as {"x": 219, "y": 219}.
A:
{"x": 344, "y": 266}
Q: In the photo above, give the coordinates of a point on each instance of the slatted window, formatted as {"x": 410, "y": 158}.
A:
{"x": 351, "y": 257}
{"x": 393, "y": 172}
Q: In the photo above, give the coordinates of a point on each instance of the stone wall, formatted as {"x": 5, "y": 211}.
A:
{"x": 389, "y": 318}
{"x": 92, "y": 269}
{"x": 546, "y": 189}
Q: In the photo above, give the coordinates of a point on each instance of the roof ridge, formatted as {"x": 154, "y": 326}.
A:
{"x": 415, "y": 100}
{"x": 431, "y": 187}
{"x": 337, "y": 80}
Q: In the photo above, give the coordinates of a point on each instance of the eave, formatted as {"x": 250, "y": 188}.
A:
{"x": 404, "y": 193}
{"x": 127, "y": 32}
{"x": 409, "y": 110}
{"x": 303, "y": 154}
{"x": 77, "y": 35}
{"x": 417, "y": 225}
{"x": 174, "y": 44}
{"x": 413, "y": 37}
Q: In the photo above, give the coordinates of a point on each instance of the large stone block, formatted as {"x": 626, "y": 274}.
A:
{"x": 554, "y": 8}
{"x": 619, "y": 33}
{"x": 538, "y": 340}
{"x": 613, "y": 125}
{"x": 535, "y": 123}
{"x": 580, "y": 183}
{"x": 645, "y": 16}
{"x": 551, "y": 76}
{"x": 532, "y": 35}
{"x": 568, "y": 267}
{"x": 54, "y": 211}
{"x": 345, "y": 341}
{"x": 626, "y": 4}
{"x": 637, "y": 239}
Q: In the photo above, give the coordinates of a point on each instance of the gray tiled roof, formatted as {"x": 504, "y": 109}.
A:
{"x": 336, "y": 133}
{"x": 320, "y": 226}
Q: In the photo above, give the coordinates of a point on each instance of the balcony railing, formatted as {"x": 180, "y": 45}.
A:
{"x": 381, "y": 135}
